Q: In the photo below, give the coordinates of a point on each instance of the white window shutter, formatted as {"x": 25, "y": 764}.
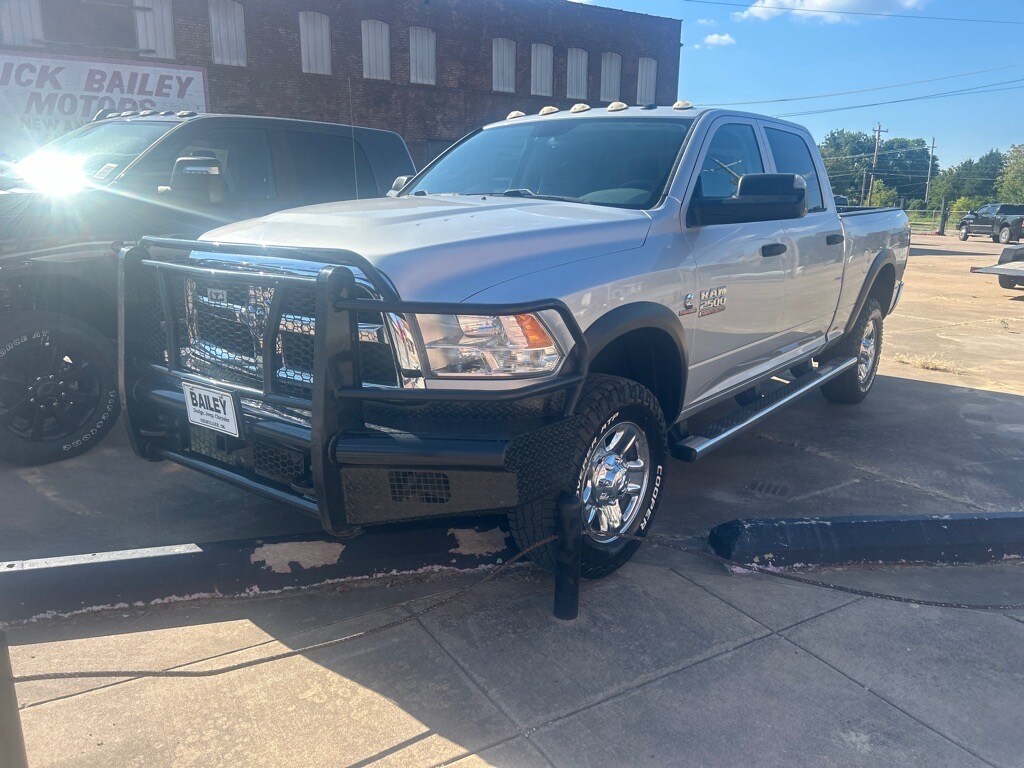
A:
{"x": 315, "y": 42}
{"x": 647, "y": 82}
{"x": 154, "y": 25}
{"x": 227, "y": 32}
{"x": 611, "y": 76}
{"x": 422, "y": 56}
{"x": 21, "y": 22}
{"x": 376, "y": 50}
{"x": 576, "y": 74}
{"x": 503, "y": 64}
{"x": 542, "y": 61}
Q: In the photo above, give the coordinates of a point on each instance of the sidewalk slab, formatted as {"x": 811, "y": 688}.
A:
{"x": 767, "y": 703}
{"x": 635, "y": 625}
{"x": 390, "y": 699}
{"x": 957, "y": 671}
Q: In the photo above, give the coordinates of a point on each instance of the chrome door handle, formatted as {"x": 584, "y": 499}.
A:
{"x": 834, "y": 239}
{"x": 772, "y": 249}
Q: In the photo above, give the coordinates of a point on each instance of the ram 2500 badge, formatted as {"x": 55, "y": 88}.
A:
{"x": 544, "y": 307}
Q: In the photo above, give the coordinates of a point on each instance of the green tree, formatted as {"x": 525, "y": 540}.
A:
{"x": 964, "y": 204}
{"x": 1011, "y": 180}
{"x": 847, "y": 154}
{"x": 883, "y": 196}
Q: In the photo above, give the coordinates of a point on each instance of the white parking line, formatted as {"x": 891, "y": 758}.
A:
{"x": 98, "y": 557}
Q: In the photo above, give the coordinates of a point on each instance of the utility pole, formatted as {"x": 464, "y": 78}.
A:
{"x": 864, "y": 187}
{"x": 931, "y": 162}
{"x": 874, "y": 161}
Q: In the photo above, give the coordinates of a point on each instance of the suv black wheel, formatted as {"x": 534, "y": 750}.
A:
{"x": 58, "y": 387}
{"x": 1004, "y": 235}
{"x": 621, "y": 449}
{"x": 864, "y": 341}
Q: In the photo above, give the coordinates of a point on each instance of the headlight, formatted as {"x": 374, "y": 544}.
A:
{"x": 482, "y": 345}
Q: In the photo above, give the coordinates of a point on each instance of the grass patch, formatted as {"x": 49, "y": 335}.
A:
{"x": 929, "y": 363}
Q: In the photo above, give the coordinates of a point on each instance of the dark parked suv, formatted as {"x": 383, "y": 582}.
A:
{"x": 1001, "y": 222}
{"x": 67, "y": 209}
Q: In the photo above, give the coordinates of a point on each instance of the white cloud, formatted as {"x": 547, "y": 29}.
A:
{"x": 695, "y": 47}
{"x": 717, "y": 39}
{"x": 762, "y": 10}
{"x": 707, "y": 22}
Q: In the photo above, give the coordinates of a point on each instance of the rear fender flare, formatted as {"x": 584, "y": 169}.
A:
{"x": 883, "y": 259}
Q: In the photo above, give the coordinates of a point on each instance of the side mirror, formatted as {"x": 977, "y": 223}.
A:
{"x": 197, "y": 179}
{"x": 400, "y": 183}
{"x": 759, "y": 197}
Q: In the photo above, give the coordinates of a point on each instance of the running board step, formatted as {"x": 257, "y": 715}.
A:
{"x": 720, "y": 432}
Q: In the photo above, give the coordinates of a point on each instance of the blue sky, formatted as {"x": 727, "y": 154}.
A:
{"x": 762, "y": 54}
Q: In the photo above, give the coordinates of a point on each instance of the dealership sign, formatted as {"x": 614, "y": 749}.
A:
{"x": 42, "y": 97}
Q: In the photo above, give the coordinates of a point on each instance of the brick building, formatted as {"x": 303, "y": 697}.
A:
{"x": 430, "y": 69}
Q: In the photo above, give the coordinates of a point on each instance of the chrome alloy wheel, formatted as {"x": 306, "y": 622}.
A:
{"x": 867, "y": 356}
{"x": 615, "y": 477}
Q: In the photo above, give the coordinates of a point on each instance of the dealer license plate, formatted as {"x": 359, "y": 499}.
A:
{"x": 211, "y": 408}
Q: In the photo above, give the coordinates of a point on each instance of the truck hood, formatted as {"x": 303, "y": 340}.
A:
{"x": 447, "y": 248}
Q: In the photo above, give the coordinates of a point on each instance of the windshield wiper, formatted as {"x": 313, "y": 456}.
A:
{"x": 531, "y": 194}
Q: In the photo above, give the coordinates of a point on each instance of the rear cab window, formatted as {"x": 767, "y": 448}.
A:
{"x": 792, "y": 155}
{"x": 329, "y": 167}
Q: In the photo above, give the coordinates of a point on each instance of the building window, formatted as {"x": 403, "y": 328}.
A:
{"x": 78, "y": 22}
{"x": 422, "y": 56}
{"x": 611, "y": 76}
{"x": 21, "y": 22}
{"x": 503, "y": 65}
{"x": 542, "y": 61}
{"x": 227, "y": 32}
{"x": 315, "y": 41}
{"x": 576, "y": 74}
{"x": 647, "y": 82}
{"x": 154, "y": 25}
{"x": 376, "y": 50}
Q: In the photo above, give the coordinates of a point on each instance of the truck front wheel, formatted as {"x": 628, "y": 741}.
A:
{"x": 864, "y": 342}
{"x": 621, "y": 449}
{"x": 58, "y": 387}
{"x": 1007, "y": 282}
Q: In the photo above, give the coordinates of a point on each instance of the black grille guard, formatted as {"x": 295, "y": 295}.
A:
{"x": 338, "y": 393}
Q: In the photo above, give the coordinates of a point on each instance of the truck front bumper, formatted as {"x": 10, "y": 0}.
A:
{"x": 349, "y": 454}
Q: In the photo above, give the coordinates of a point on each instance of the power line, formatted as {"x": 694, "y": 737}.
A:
{"x": 791, "y": 9}
{"x": 859, "y": 90}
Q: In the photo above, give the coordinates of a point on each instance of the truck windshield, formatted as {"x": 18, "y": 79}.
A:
{"x": 616, "y": 161}
{"x": 92, "y": 155}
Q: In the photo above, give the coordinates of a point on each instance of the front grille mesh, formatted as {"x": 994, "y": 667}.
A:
{"x": 222, "y": 327}
{"x": 419, "y": 487}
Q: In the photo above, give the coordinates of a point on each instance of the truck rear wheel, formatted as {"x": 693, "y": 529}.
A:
{"x": 1007, "y": 282}
{"x": 964, "y": 233}
{"x": 864, "y": 341}
{"x": 621, "y": 449}
{"x": 58, "y": 387}
{"x": 1004, "y": 235}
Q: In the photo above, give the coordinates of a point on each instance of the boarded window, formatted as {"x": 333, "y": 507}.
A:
{"x": 611, "y": 76}
{"x": 227, "y": 32}
{"x": 110, "y": 24}
{"x": 647, "y": 82}
{"x": 155, "y": 27}
{"x": 315, "y": 41}
{"x": 422, "y": 56}
{"x": 376, "y": 50}
{"x": 576, "y": 74}
{"x": 20, "y": 22}
{"x": 542, "y": 59}
{"x": 503, "y": 64}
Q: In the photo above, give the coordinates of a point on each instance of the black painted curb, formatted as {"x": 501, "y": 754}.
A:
{"x": 234, "y": 568}
{"x": 959, "y": 538}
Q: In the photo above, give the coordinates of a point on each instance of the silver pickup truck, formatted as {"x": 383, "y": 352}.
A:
{"x": 545, "y": 307}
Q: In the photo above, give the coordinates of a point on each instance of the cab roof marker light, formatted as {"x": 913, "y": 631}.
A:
{"x": 549, "y": 110}
{"x": 185, "y": 113}
{"x": 577, "y": 108}
{"x": 617, "y": 106}
{"x": 682, "y": 105}
{"x": 514, "y": 115}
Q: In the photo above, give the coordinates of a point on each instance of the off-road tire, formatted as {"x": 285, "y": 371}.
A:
{"x": 604, "y": 401}
{"x": 21, "y": 334}
{"x": 1007, "y": 282}
{"x": 964, "y": 233}
{"x": 849, "y": 387}
{"x": 1004, "y": 235}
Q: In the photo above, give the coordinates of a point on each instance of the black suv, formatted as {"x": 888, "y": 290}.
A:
{"x": 1003, "y": 223}
{"x": 67, "y": 209}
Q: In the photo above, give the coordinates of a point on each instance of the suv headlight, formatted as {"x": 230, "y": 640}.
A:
{"x": 488, "y": 345}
